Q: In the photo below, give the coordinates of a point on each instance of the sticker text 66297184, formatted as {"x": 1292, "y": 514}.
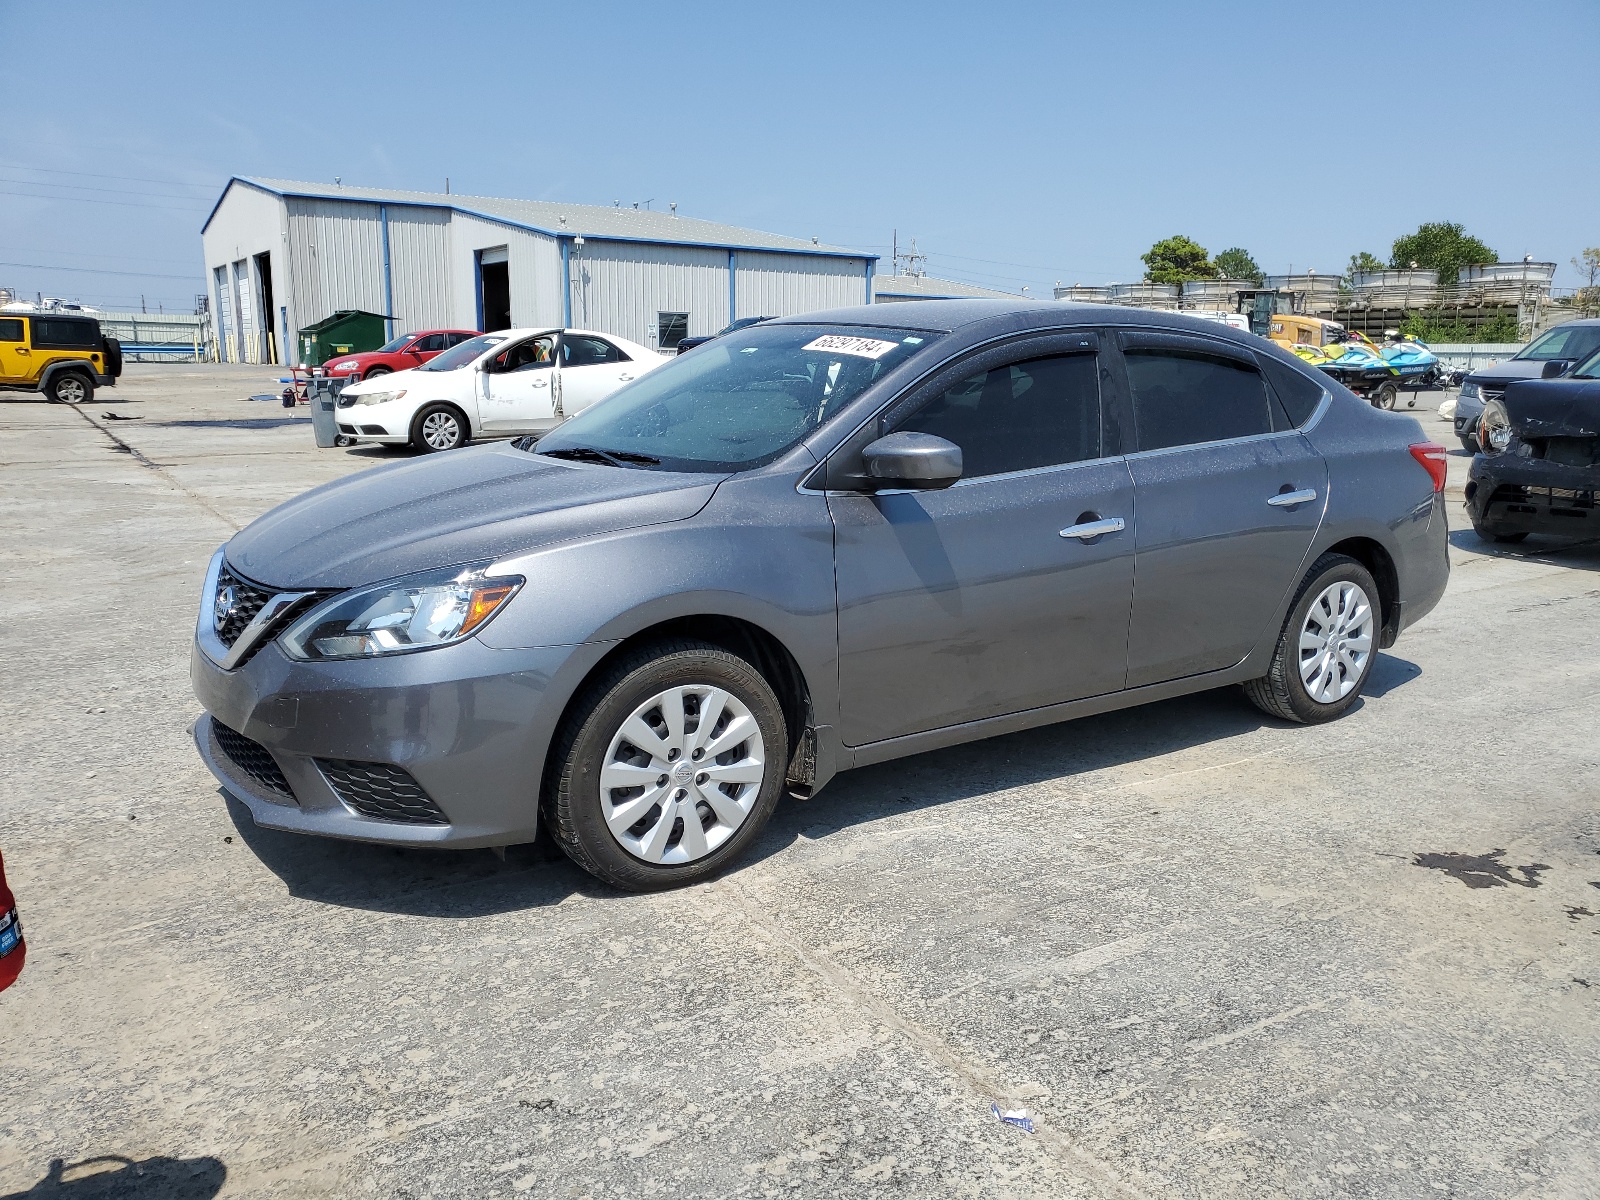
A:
{"x": 860, "y": 347}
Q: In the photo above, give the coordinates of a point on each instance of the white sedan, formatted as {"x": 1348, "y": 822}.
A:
{"x": 504, "y": 384}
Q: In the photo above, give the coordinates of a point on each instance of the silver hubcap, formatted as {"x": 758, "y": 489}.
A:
{"x": 1336, "y": 642}
{"x": 440, "y": 430}
{"x": 70, "y": 390}
{"x": 682, "y": 774}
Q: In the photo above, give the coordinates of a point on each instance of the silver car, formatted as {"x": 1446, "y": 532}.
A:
{"x": 810, "y": 545}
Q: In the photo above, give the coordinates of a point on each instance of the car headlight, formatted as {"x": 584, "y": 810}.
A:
{"x": 1494, "y": 428}
{"x": 374, "y": 397}
{"x": 1469, "y": 391}
{"x": 416, "y": 612}
{"x": 345, "y": 366}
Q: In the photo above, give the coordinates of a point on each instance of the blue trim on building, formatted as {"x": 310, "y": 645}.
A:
{"x": 477, "y": 276}
{"x": 733, "y": 286}
{"x": 511, "y": 222}
{"x": 566, "y": 282}
{"x": 388, "y": 281}
{"x": 869, "y": 281}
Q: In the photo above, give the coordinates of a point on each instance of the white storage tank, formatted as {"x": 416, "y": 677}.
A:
{"x": 1085, "y": 293}
{"x": 1319, "y": 291}
{"x": 1396, "y": 289}
{"x": 1216, "y": 295}
{"x": 1507, "y": 282}
{"x": 1145, "y": 295}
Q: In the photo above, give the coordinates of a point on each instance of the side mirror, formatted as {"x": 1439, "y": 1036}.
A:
{"x": 1556, "y": 368}
{"x": 913, "y": 460}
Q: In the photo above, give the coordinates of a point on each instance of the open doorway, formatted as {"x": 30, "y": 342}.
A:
{"x": 494, "y": 290}
{"x": 269, "y": 340}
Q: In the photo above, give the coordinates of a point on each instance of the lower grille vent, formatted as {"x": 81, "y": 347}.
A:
{"x": 252, "y": 758}
{"x": 382, "y": 791}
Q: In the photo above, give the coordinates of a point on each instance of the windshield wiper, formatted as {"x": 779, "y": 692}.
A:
{"x": 615, "y": 458}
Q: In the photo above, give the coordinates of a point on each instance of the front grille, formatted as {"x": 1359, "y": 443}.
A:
{"x": 382, "y": 791}
{"x": 1491, "y": 393}
{"x": 1561, "y": 501}
{"x": 248, "y": 600}
{"x": 252, "y": 758}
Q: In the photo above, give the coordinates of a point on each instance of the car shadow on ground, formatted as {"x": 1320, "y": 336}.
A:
{"x": 236, "y": 423}
{"x": 116, "y": 1177}
{"x": 1554, "y": 552}
{"x": 464, "y": 884}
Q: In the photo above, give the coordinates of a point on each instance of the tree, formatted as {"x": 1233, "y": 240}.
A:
{"x": 1440, "y": 246}
{"x": 1176, "y": 259}
{"x": 1236, "y": 263}
{"x": 1363, "y": 263}
{"x": 1587, "y": 265}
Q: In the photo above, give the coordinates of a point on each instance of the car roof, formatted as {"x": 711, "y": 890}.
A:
{"x": 951, "y": 316}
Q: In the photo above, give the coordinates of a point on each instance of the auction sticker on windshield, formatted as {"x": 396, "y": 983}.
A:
{"x": 834, "y": 343}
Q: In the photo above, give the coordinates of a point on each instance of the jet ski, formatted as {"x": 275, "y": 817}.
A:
{"x": 1410, "y": 358}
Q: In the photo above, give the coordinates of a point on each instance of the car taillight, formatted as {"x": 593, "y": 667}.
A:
{"x": 1431, "y": 456}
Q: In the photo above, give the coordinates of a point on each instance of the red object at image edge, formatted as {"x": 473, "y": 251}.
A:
{"x": 11, "y": 964}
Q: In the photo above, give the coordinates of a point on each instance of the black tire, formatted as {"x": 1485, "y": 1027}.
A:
{"x": 1500, "y": 539}
{"x": 1281, "y": 692}
{"x": 376, "y": 371}
{"x": 1470, "y": 445}
{"x": 71, "y": 387}
{"x": 426, "y": 433}
{"x": 1385, "y": 395}
{"x": 571, "y": 800}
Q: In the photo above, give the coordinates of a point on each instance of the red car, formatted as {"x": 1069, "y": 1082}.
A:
{"x": 12, "y": 948}
{"x": 407, "y": 350}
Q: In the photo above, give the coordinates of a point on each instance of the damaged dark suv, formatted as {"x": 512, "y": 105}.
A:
{"x": 1538, "y": 466}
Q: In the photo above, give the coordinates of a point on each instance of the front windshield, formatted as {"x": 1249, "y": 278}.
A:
{"x": 394, "y": 346}
{"x": 460, "y": 356}
{"x": 737, "y": 402}
{"x": 1564, "y": 341}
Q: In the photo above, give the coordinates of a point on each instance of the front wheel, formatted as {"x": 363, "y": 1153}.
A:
{"x": 71, "y": 388}
{"x": 1325, "y": 652}
{"x": 439, "y": 427}
{"x": 377, "y": 371}
{"x": 669, "y": 766}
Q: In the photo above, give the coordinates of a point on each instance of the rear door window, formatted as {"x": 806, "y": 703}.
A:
{"x": 580, "y": 350}
{"x": 1186, "y": 397}
{"x": 66, "y": 333}
{"x": 1041, "y": 412}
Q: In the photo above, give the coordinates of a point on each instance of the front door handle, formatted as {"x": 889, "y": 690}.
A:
{"x": 624, "y": 378}
{"x": 1089, "y": 530}
{"x": 1285, "y": 499}
{"x": 540, "y": 382}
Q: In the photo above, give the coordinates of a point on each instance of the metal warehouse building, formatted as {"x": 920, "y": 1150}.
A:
{"x": 891, "y": 289}
{"x": 282, "y": 255}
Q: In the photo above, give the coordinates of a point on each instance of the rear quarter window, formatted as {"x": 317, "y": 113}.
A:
{"x": 1298, "y": 394}
{"x": 66, "y": 333}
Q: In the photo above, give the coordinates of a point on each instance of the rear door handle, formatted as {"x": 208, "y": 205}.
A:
{"x": 1285, "y": 499}
{"x": 1089, "y": 530}
{"x": 624, "y": 378}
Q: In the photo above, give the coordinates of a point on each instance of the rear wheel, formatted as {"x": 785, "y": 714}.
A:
{"x": 1325, "y": 651}
{"x": 70, "y": 387}
{"x": 669, "y": 766}
{"x": 439, "y": 427}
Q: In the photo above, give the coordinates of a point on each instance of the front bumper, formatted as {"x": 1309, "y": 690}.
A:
{"x": 1508, "y": 494}
{"x": 470, "y": 724}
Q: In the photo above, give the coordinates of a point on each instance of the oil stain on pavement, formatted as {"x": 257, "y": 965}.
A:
{"x": 1481, "y": 870}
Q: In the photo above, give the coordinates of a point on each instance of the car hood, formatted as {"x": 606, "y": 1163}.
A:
{"x": 1504, "y": 372}
{"x": 458, "y": 507}
{"x": 1547, "y": 408}
{"x": 387, "y": 383}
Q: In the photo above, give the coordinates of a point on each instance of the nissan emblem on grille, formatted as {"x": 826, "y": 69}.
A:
{"x": 227, "y": 601}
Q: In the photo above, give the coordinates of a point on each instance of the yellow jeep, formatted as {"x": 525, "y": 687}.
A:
{"x": 63, "y": 355}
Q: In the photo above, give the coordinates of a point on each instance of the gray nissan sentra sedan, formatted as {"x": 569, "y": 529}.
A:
{"x": 814, "y": 544}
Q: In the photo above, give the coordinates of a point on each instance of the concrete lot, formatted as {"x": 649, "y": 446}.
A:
{"x": 1213, "y": 955}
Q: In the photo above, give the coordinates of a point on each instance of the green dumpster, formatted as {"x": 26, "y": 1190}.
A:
{"x": 348, "y": 331}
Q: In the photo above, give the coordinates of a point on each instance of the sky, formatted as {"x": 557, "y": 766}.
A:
{"x": 1018, "y": 144}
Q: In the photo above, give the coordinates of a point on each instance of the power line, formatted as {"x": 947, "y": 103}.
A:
{"x": 84, "y": 187}
{"x": 96, "y": 175}
{"x": 91, "y": 200}
{"x": 95, "y": 254}
{"x": 199, "y": 276}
